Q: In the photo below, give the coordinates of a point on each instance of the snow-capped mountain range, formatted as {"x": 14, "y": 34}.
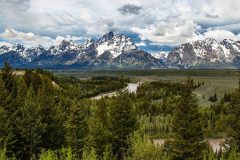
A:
{"x": 110, "y": 51}
{"x": 162, "y": 55}
{"x": 207, "y": 53}
{"x": 119, "y": 51}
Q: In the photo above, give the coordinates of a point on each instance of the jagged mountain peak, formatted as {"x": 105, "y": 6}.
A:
{"x": 4, "y": 48}
{"x": 228, "y": 41}
{"x": 39, "y": 47}
{"x": 18, "y": 47}
{"x": 115, "y": 43}
{"x": 205, "y": 42}
{"x": 89, "y": 41}
{"x": 106, "y": 37}
{"x": 104, "y": 52}
{"x": 119, "y": 51}
{"x": 160, "y": 55}
{"x": 208, "y": 52}
{"x": 65, "y": 42}
{"x": 210, "y": 40}
{"x": 66, "y": 45}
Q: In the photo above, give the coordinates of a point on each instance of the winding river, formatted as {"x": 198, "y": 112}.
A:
{"x": 131, "y": 87}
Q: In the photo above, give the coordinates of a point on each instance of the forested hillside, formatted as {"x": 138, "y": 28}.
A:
{"x": 44, "y": 116}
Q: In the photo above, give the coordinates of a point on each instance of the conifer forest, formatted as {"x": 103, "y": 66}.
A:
{"x": 45, "y": 115}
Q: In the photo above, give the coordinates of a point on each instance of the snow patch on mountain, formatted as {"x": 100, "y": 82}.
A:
{"x": 115, "y": 44}
{"x": 204, "y": 52}
{"x": 160, "y": 55}
{"x": 119, "y": 51}
{"x": 4, "y": 49}
{"x": 109, "y": 51}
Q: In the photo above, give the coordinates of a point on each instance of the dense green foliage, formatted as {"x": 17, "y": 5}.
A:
{"x": 87, "y": 88}
{"x": 213, "y": 98}
{"x": 158, "y": 72}
{"x": 189, "y": 141}
{"x": 49, "y": 117}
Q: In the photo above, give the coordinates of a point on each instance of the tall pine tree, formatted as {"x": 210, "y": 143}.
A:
{"x": 7, "y": 76}
{"x": 123, "y": 123}
{"x": 30, "y": 126}
{"x": 4, "y": 94}
{"x": 232, "y": 121}
{"x": 188, "y": 142}
{"x": 76, "y": 129}
{"x": 6, "y": 117}
{"x": 51, "y": 114}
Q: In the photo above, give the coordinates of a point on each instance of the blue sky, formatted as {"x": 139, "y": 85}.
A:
{"x": 154, "y": 25}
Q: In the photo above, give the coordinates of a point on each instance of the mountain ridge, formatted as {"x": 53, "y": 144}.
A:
{"x": 207, "y": 52}
{"x": 116, "y": 51}
{"x": 91, "y": 54}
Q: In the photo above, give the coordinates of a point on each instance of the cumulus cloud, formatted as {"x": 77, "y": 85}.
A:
{"x": 219, "y": 35}
{"x": 11, "y": 35}
{"x": 28, "y": 39}
{"x": 160, "y": 21}
{"x": 59, "y": 39}
{"x": 182, "y": 32}
{"x": 129, "y": 9}
{"x": 169, "y": 33}
{"x": 5, "y": 44}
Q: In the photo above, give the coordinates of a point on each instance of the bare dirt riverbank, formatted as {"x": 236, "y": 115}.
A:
{"x": 214, "y": 143}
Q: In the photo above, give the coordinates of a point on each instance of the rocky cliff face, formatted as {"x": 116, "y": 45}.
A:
{"x": 107, "y": 52}
{"x": 119, "y": 51}
{"x": 206, "y": 53}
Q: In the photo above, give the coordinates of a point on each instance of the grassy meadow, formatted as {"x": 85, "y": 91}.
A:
{"x": 215, "y": 81}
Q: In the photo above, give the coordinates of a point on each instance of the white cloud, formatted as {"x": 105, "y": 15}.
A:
{"x": 227, "y": 11}
{"x": 161, "y": 21}
{"x": 181, "y": 32}
{"x": 219, "y": 35}
{"x": 169, "y": 33}
{"x": 140, "y": 44}
{"x": 59, "y": 39}
{"x": 29, "y": 39}
{"x": 11, "y": 35}
{"x": 5, "y": 44}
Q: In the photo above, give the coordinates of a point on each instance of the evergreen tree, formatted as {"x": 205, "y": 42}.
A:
{"x": 209, "y": 154}
{"x": 21, "y": 94}
{"x": 4, "y": 94}
{"x": 6, "y": 118}
{"x": 3, "y": 155}
{"x": 234, "y": 153}
{"x": 227, "y": 97}
{"x": 100, "y": 136}
{"x": 7, "y": 76}
{"x": 123, "y": 123}
{"x": 7, "y": 137}
{"x": 89, "y": 154}
{"x": 143, "y": 149}
{"x": 27, "y": 77}
{"x": 76, "y": 129}
{"x": 232, "y": 120}
{"x": 107, "y": 154}
{"x": 102, "y": 111}
{"x": 66, "y": 154}
{"x": 51, "y": 114}
{"x": 188, "y": 142}
{"x": 213, "y": 98}
{"x": 48, "y": 155}
{"x": 30, "y": 127}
